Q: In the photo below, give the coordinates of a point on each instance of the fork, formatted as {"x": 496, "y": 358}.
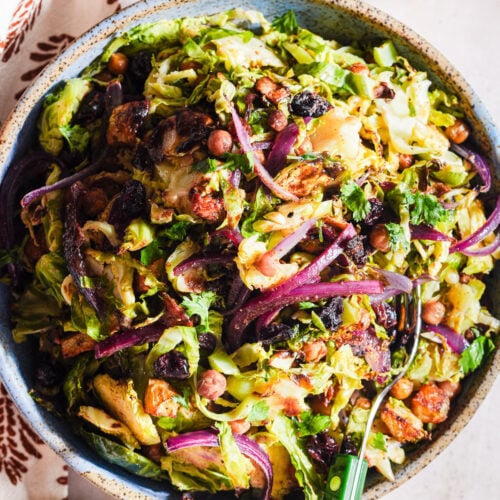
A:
{"x": 347, "y": 475}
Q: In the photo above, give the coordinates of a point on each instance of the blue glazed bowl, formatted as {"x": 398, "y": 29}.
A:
{"x": 343, "y": 20}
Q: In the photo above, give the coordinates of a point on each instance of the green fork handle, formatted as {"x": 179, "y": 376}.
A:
{"x": 346, "y": 478}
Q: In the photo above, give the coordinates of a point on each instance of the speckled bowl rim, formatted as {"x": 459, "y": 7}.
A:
{"x": 406, "y": 39}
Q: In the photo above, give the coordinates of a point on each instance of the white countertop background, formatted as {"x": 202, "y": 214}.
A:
{"x": 468, "y": 35}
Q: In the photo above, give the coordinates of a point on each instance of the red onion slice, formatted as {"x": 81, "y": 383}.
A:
{"x": 423, "y": 232}
{"x": 477, "y": 162}
{"x": 456, "y": 341}
{"x": 281, "y": 148}
{"x": 487, "y": 250}
{"x": 128, "y": 338}
{"x": 260, "y": 170}
{"x": 203, "y": 260}
{"x": 491, "y": 224}
{"x": 277, "y": 299}
{"x": 233, "y": 235}
{"x": 397, "y": 281}
{"x": 246, "y": 445}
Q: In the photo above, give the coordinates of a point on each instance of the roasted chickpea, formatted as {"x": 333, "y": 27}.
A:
{"x": 431, "y": 405}
{"x": 458, "y": 132}
{"x": 359, "y": 68}
{"x": 363, "y": 403}
{"x": 239, "y": 426}
{"x": 433, "y": 312}
{"x": 118, "y": 63}
{"x": 451, "y": 389}
{"x": 211, "y": 385}
{"x": 219, "y": 142}
{"x": 405, "y": 161}
{"x": 277, "y": 120}
{"x": 402, "y": 389}
{"x": 314, "y": 351}
{"x": 379, "y": 238}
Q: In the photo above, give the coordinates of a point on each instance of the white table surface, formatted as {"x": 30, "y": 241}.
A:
{"x": 468, "y": 34}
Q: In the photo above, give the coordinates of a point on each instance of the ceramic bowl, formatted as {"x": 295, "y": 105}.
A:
{"x": 343, "y": 20}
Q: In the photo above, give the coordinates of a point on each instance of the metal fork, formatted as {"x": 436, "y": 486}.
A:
{"x": 347, "y": 475}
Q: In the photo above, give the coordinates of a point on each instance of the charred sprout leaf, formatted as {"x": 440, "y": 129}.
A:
{"x": 50, "y": 271}
{"x": 176, "y": 231}
{"x": 124, "y": 457}
{"x": 58, "y": 110}
{"x": 74, "y": 384}
{"x": 76, "y": 136}
{"x": 287, "y": 23}
{"x": 355, "y": 200}
{"x": 311, "y": 424}
{"x": 397, "y": 236}
{"x": 305, "y": 472}
{"x": 199, "y": 304}
{"x": 73, "y": 240}
{"x": 472, "y": 357}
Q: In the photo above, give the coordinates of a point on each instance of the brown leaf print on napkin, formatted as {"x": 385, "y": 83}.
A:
{"x": 17, "y": 441}
{"x": 46, "y": 52}
{"x": 22, "y": 21}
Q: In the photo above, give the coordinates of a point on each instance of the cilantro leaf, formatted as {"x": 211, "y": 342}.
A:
{"x": 355, "y": 200}
{"x": 311, "y": 424}
{"x": 258, "y": 412}
{"x": 427, "y": 209}
{"x": 184, "y": 399}
{"x": 378, "y": 441}
{"x": 397, "y": 236}
{"x": 472, "y": 357}
{"x": 287, "y": 23}
{"x": 199, "y": 304}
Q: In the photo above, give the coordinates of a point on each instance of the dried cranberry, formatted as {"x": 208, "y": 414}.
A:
{"x": 375, "y": 213}
{"x": 275, "y": 332}
{"x": 91, "y": 108}
{"x": 386, "y": 315}
{"x": 173, "y": 364}
{"x": 47, "y": 375}
{"x": 322, "y": 448}
{"x": 129, "y": 204}
{"x": 138, "y": 70}
{"x": 207, "y": 342}
{"x": 348, "y": 447}
{"x": 331, "y": 314}
{"x": 355, "y": 250}
{"x": 308, "y": 103}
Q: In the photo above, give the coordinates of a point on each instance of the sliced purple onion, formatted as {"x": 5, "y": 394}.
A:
{"x": 201, "y": 260}
{"x": 483, "y": 251}
{"x": 128, "y": 338}
{"x": 237, "y": 295}
{"x": 276, "y": 299}
{"x": 478, "y": 162}
{"x": 456, "y": 341}
{"x": 260, "y": 170}
{"x": 247, "y": 446}
{"x": 266, "y": 319}
{"x": 423, "y": 232}
{"x": 281, "y": 148}
{"x": 25, "y": 170}
{"x": 257, "y": 145}
{"x": 310, "y": 273}
{"x": 397, "y": 281}
{"x": 61, "y": 184}
{"x": 491, "y": 224}
{"x": 268, "y": 261}
{"x": 235, "y": 178}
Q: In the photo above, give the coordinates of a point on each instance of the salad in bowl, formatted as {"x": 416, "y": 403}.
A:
{"x": 228, "y": 211}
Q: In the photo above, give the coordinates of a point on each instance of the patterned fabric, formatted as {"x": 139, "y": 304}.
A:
{"x": 32, "y": 33}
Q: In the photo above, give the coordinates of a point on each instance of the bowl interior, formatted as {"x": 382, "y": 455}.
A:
{"x": 345, "y": 21}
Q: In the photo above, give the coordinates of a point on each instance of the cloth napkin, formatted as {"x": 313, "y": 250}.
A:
{"x": 32, "y": 33}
